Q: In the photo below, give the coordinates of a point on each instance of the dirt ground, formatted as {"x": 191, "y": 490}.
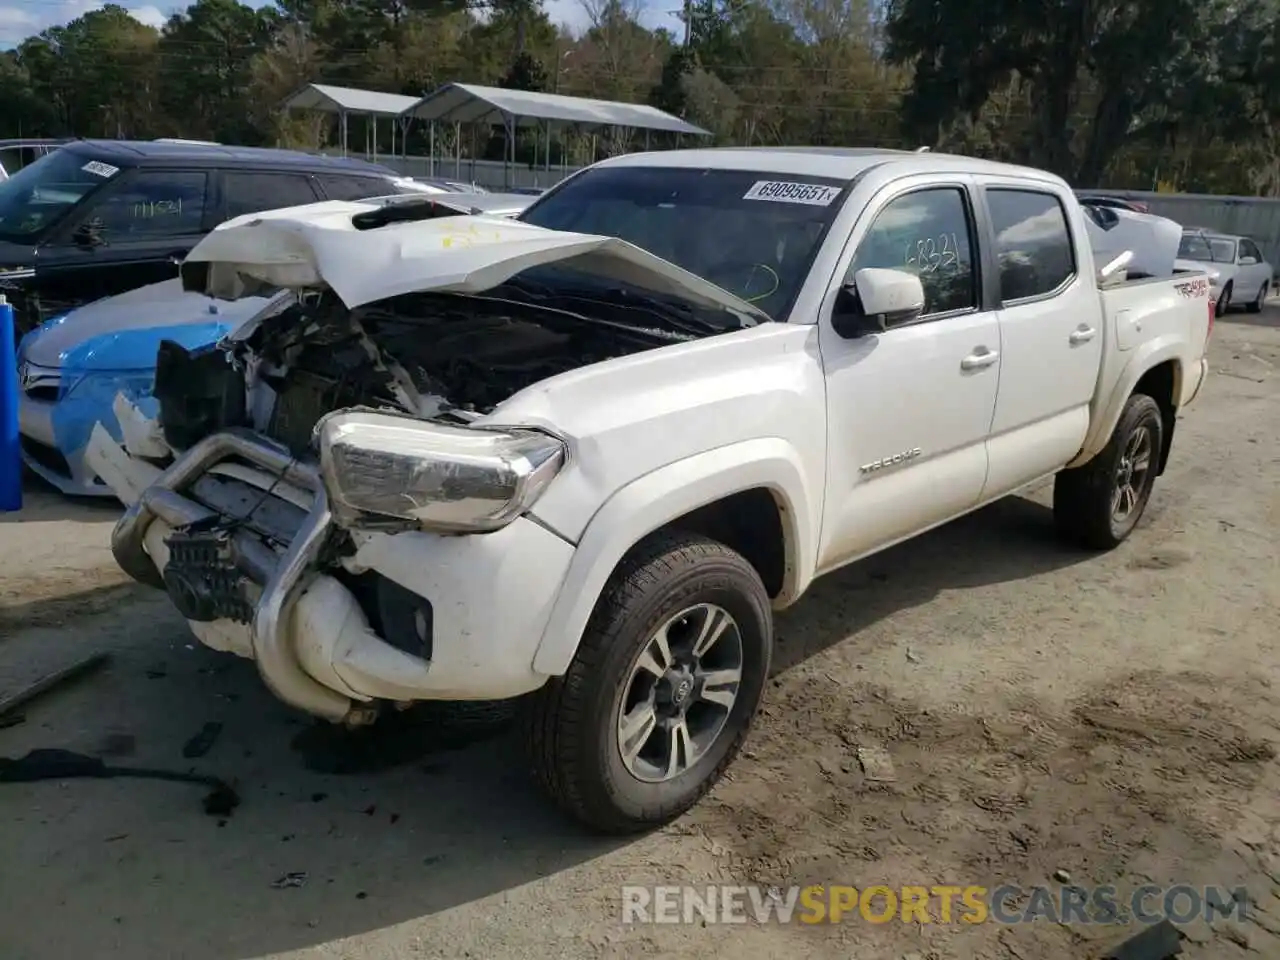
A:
{"x": 1112, "y": 717}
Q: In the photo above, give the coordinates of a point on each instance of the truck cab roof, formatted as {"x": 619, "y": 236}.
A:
{"x": 845, "y": 163}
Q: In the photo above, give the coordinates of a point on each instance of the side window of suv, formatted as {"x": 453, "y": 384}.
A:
{"x": 340, "y": 187}
{"x": 253, "y": 192}
{"x": 926, "y": 232}
{"x": 153, "y": 203}
{"x": 1032, "y": 242}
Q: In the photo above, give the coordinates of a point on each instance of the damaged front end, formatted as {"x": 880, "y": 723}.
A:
{"x": 335, "y": 460}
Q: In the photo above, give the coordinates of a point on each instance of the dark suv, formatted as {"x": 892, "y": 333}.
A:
{"x": 95, "y": 218}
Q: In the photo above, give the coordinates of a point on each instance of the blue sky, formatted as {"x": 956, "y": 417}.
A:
{"x": 20, "y": 19}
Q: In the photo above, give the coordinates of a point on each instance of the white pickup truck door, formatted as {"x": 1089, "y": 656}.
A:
{"x": 1051, "y": 331}
{"x": 909, "y": 409}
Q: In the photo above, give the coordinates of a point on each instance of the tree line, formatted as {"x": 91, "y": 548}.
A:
{"x": 1141, "y": 94}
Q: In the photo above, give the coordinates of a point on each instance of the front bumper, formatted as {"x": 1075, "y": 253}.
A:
{"x": 65, "y": 469}
{"x": 492, "y": 594}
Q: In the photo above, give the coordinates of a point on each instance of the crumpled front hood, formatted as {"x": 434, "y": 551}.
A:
{"x": 318, "y": 245}
{"x": 124, "y": 332}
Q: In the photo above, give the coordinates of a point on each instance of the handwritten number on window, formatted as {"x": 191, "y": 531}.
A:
{"x": 148, "y": 209}
{"x": 929, "y": 254}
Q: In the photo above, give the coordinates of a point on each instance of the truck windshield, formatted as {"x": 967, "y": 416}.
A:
{"x": 39, "y": 195}
{"x": 753, "y": 233}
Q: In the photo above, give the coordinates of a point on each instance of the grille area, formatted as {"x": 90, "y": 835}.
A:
{"x": 46, "y": 456}
{"x": 302, "y": 400}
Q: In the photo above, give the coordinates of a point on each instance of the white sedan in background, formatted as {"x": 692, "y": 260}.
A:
{"x": 1238, "y": 273}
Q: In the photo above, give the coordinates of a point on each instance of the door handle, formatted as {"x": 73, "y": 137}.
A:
{"x": 1083, "y": 335}
{"x": 976, "y": 361}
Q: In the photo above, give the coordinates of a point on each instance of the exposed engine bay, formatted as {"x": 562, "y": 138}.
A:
{"x": 450, "y": 358}
{"x": 442, "y": 356}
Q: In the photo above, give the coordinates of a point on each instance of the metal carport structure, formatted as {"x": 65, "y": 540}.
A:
{"x": 345, "y": 101}
{"x": 472, "y": 104}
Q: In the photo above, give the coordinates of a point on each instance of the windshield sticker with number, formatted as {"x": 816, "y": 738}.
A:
{"x": 782, "y": 191}
{"x": 97, "y": 168}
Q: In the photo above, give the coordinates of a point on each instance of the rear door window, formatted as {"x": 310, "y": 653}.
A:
{"x": 340, "y": 187}
{"x": 1033, "y": 243}
{"x": 153, "y": 203}
{"x": 254, "y": 191}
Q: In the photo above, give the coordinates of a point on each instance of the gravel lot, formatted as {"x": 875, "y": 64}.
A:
{"x": 1044, "y": 710}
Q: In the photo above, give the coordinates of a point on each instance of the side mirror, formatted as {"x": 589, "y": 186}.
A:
{"x": 877, "y": 300}
{"x": 1248, "y": 261}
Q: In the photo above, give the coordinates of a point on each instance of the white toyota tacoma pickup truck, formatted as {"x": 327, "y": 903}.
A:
{"x": 581, "y": 457}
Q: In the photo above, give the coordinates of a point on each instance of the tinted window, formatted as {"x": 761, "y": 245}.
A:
{"x": 1224, "y": 251}
{"x": 927, "y": 233}
{"x": 41, "y": 193}
{"x": 752, "y": 233}
{"x": 355, "y": 188}
{"x": 155, "y": 203}
{"x": 1032, "y": 242}
{"x": 255, "y": 192}
{"x": 1194, "y": 247}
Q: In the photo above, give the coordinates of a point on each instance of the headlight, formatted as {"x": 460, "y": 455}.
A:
{"x": 450, "y": 479}
{"x": 1214, "y": 277}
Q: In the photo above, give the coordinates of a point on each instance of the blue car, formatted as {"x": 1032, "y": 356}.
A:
{"x": 72, "y": 367}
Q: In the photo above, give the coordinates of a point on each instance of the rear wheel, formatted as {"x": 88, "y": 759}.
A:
{"x": 1098, "y": 504}
{"x": 662, "y": 691}
{"x": 1256, "y": 305}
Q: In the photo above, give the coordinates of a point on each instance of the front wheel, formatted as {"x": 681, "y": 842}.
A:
{"x": 1097, "y": 505}
{"x": 1256, "y": 305}
{"x": 663, "y": 689}
{"x": 1224, "y": 302}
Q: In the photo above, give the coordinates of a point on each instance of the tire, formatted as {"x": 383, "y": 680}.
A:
{"x": 1224, "y": 302}
{"x": 573, "y": 723}
{"x": 1255, "y": 306}
{"x": 1084, "y": 497}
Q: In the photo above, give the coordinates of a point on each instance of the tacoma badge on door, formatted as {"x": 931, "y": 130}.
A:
{"x": 895, "y": 460}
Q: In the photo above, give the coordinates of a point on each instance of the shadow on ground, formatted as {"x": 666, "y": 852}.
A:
{"x": 1269, "y": 317}
{"x": 64, "y": 608}
{"x": 42, "y": 502}
{"x": 1011, "y": 539}
{"x": 425, "y": 819}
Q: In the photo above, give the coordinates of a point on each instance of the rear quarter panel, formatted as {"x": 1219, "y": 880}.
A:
{"x": 1148, "y": 322}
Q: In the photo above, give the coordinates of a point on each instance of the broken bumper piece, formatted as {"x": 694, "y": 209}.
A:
{"x": 491, "y": 595}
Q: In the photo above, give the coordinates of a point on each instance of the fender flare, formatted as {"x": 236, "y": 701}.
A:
{"x": 655, "y": 499}
{"x": 1146, "y": 357}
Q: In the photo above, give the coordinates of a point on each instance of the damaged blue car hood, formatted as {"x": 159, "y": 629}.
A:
{"x": 124, "y": 332}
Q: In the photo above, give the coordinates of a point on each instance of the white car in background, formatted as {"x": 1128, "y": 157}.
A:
{"x": 1238, "y": 273}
